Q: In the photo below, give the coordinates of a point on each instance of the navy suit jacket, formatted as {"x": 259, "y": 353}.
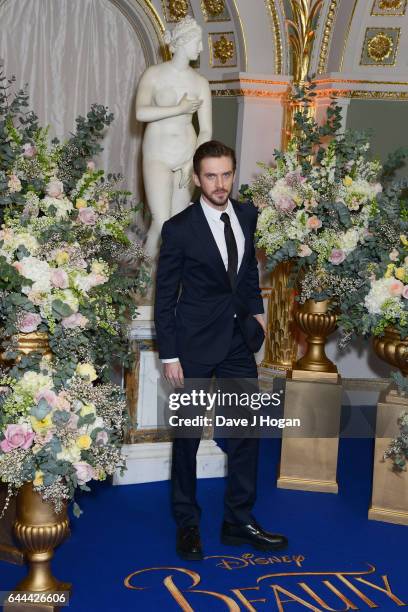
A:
{"x": 194, "y": 302}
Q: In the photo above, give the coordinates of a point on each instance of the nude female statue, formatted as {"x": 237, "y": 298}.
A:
{"x": 168, "y": 95}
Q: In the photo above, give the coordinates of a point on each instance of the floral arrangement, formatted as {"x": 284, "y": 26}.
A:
{"x": 316, "y": 203}
{"x": 63, "y": 250}
{"x": 59, "y": 438}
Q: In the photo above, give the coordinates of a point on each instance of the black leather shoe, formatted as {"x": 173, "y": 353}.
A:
{"x": 252, "y": 534}
{"x": 189, "y": 544}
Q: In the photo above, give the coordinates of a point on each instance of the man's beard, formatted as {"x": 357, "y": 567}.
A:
{"x": 221, "y": 200}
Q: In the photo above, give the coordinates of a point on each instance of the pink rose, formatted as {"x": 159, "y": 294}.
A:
{"x": 90, "y": 165}
{"x": 87, "y": 216}
{"x": 304, "y": 250}
{"x": 49, "y": 396}
{"x": 84, "y": 472}
{"x": 59, "y": 278}
{"x": 29, "y": 322}
{"x": 17, "y": 436}
{"x": 29, "y": 150}
{"x": 337, "y": 256}
{"x": 101, "y": 438}
{"x": 285, "y": 205}
{"x": 405, "y": 292}
{"x": 313, "y": 223}
{"x": 55, "y": 189}
{"x": 396, "y": 288}
{"x": 74, "y": 320}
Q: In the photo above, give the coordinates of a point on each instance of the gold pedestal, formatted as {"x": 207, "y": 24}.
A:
{"x": 8, "y": 549}
{"x": 309, "y": 453}
{"x": 389, "y": 500}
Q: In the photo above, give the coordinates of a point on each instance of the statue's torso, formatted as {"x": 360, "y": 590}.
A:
{"x": 172, "y": 139}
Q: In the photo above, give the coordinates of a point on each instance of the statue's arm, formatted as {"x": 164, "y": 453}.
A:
{"x": 146, "y": 111}
{"x": 205, "y": 114}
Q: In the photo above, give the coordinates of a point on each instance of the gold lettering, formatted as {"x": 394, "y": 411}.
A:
{"x": 231, "y": 604}
{"x": 262, "y": 561}
{"x": 386, "y": 591}
{"x": 225, "y": 562}
{"x": 247, "y": 602}
{"x": 320, "y": 601}
{"x": 286, "y": 559}
{"x": 278, "y": 589}
{"x": 177, "y": 594}
{"x": 298, "y": 559}
{"x": 370, "y": 604}
{"x": 340, "y": 595}
{"x": 193, "y": 575}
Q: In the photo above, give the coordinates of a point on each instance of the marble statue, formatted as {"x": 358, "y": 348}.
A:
{"x": 168, "y": 95}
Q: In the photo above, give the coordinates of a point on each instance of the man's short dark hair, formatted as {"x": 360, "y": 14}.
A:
{"x": 212, "y": 148}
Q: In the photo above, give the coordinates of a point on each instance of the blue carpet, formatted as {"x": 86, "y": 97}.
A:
{"x": 129, "y": 528}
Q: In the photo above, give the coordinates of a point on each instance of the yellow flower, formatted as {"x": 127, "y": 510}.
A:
{"x": 86, "y": 370}
{"x": 100, "y": 474}
{"x": 88, "y": 409}
{"x": 404, "y": 239}
{"x": 400, "y": 274}
{"x": 62, "y": 258}
{"x": 97, "y": 267}
{"x": 390, "y": 270}
{"x": 81, "y": 203}
{"x": 84, "y": 442}
{"x": 39, "y": 478}
{"x": 347, "y": 181}
{"x": 40, "y": 425}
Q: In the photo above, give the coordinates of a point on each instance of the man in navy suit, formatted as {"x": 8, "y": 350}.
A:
{"x": 213, "y": 325}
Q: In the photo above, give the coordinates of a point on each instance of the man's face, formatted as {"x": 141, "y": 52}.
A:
{"x": 215, "y": 179}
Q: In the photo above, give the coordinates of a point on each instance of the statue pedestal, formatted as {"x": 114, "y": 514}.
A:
{"x": 389, "y": 500}
{"x": 148, "y": 447}
{"x": 309, "y": 463}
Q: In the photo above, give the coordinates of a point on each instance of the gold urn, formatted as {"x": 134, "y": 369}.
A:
{"x": 26, "y": 343}
{"x": 315, "y": 320}
{"x": 39, "y": 529}
{"x": 392, "y": 349}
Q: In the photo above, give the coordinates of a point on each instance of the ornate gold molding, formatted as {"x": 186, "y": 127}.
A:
{"x": 324, "y": 49}
{"x": 249, "y": 93}
{"x": 277, "y": 36}
{"x": 363, "y": 94}
{"x": 302, "y": 34}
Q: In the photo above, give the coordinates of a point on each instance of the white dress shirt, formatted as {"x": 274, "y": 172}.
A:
{"x": 213, "y": 217}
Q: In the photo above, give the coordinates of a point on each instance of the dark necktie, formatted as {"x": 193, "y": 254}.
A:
{"x": 231, "y": 248}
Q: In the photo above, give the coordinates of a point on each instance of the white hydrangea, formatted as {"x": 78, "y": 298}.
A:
{"x": 63, "y": 206}
{"x": 349, "y": 240}
{"x": 38, "y": 271}
{"x": 31, "y": 382}
{"x": 379, "y": 294}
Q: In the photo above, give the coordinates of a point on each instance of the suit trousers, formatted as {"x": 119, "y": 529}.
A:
{"x": 240, "y": 493}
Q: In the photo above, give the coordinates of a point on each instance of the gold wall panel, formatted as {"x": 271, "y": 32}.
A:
{"x": 223, "y": 50}
{"x": 380, "y": 47}
{"x": 215, "y": 10}
{"x": 389, "y": 7}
